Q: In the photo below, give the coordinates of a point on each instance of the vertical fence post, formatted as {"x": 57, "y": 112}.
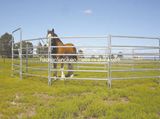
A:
{"x": 20, "y": 54}
{"x": 27, "y": 57}
{"x": 109, "y": 62}
{"x": 159, "y": 57}
{"x": 133, "y": 56}
{"x": 18, "y": 29}
{"x": 49, "y": 61}
{"x": 159, "y": 49}
{"x": 12, "y": 54}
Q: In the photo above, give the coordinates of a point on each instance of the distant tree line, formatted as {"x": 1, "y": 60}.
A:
{"x": 6, "y": 46}
{"x": 27, "y": 48}
{"x": 42, "y": 50}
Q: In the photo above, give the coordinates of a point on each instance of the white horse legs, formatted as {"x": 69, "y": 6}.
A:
{"x": 70, "y": 73}
{"x": 62, "y": 71}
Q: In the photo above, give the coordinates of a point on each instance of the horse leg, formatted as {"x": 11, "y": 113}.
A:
{"x": 62, "y": 71}
{"x": 70, "y": 73}
{"x": 55, "y": 72}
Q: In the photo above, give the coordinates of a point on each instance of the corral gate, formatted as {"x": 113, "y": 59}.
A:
{"x": 100, "y": 58}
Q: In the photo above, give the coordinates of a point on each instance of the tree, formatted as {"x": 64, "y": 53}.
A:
{"x": 42, "y": 50}
{"x": 120, "y": 55}
{"x": 39, "y": 48}
{"x": 100, "y": 56}
{"x": 112, "y": 56}
{"x": 81, "y": 53}
{"x": 93, "y": 57}
{"x": 6, "y": 45}
{"x": 26, "y": 46}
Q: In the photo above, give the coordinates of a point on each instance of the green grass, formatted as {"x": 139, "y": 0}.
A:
{"x": 72, "y": 99}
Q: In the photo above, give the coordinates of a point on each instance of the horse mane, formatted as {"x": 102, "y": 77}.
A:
{"x": 56, "y": 42}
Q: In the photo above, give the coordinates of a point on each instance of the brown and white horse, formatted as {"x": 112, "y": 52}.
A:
{"x": 62, "y": 52}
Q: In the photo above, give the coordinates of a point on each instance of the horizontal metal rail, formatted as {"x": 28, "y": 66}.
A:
{"x": 135, "y": 37}
{"x": 95, "y": 54}
{"x": 15, "y": 70}
{"x": 81, "y": 62}
{"x": 140, "y": 77}
{"x": 91, "y": 67}
{"x": 16, "y": 65}
{"x": 135, "y": 70}
{"x": 131, "y": 64}
{"x": 37, "y": 62}
{"x": 65, "y": 70}
{"x": 28, "y": 74}
{"x": 45, "y": 69}
{"x": 152, "y": 47}
{"x": 38, "y": 68}
{"x": 137, "y": 62}
{"x": 35, "y": 39}
{"x": 113, "y": 78}
{"x": 80, "y": 78}
{"x": 84, "y": 46}
{"x": 135, "y": 54}
{"x": 68, "y": 37}
{"x": 114, "y": 62}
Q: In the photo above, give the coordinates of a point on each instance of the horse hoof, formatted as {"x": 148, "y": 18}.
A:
{"x": 55, "y": 78}
{"x": 63, "y": 77}
{"x": 71, "y": 76}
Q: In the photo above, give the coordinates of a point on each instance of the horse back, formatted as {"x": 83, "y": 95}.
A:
{"x": 71, "y": 49}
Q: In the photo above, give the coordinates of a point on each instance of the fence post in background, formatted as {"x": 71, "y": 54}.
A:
{"x": 49, "y": 61}
{"x": 18, "y": 29}
{"x": 20, "y": 51}
{"x": 27, "y": 58}
{"x": 12, "y": 54}
{"x": 20, "y": 54}
{"x": 159, "y": 49}
{"x": 109, "y": 62}
{"x": 133, "y": 56}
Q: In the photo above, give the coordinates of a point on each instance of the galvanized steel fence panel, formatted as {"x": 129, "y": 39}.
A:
{"x": 109, "y": 64}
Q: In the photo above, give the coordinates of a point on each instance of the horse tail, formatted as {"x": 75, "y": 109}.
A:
{"x": 75, "y": 56}
{"x": 71, "y": 50}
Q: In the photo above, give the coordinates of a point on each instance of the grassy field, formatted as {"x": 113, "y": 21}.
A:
{"x": 72, "y": 99}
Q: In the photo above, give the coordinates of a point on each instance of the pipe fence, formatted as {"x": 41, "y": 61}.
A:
{"x": 99, "y": 58}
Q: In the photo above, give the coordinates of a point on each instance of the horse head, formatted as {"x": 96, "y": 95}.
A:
{"x": 50, "y": 33}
